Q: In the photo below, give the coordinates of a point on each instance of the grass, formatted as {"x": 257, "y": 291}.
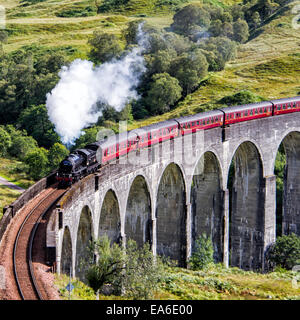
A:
{"x": 12, "y": 170}
{"x": 7, "y": 196}
{"x": 214, "y": 283}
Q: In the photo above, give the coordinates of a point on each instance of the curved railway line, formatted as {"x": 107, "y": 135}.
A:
{"x": 28, "y": 285}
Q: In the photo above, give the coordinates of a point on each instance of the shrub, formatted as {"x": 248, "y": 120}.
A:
{"x": 202, "y": 254}
{"x": 142, "y": 272}
{"x": 37, "y": 162}
{"x": 285, "y": 252}
{"x": 108, "y": 267}
{"x": 104, "y": 47}
{"x": 241, "y": 97}
{"x": 133, "y": 272}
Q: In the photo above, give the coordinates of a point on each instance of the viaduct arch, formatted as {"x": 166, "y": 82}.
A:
{"x": 218, "y": 182}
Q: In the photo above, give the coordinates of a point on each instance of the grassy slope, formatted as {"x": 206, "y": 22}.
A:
{"x": 216, "y": 283}
{"x": 11, "y": 170}
{"x": 269, "y": 65}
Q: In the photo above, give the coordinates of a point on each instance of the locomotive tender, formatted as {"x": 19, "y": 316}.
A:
{"x": 82, "y": 162}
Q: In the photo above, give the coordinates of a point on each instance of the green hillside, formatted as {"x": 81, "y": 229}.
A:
{"x": 268, "y": 64}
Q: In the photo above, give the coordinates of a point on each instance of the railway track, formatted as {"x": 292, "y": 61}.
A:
{"x": 27, "y": 284}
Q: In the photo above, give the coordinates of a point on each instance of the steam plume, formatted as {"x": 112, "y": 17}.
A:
{"x": 72, "y": 104}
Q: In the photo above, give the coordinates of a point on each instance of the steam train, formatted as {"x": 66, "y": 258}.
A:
{"x": 82, "y": 162}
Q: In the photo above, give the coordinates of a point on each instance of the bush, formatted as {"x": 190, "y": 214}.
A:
{"x": 202, "y": 254}
{"x": 164, "y": 91}
{"x": 77, "y": 12}
{"x": 109, "y": 265}
{"x": 241, "y": 97}
{"x": 37, "y": 162}
{"x": 285, "y": 252}
{"x": 104, "y": 47}
{"x": 133, "y": 272}
{"x": 142, "y": 272}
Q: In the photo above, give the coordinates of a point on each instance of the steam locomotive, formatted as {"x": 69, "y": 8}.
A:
{"x": 93, "y": 156}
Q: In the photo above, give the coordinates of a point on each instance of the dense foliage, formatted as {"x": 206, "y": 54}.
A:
{"x": 202, "y": 255}
{"x": 133, "y": 273}
{"x": 38, "y": 160}
{"x": 285, "y": 252}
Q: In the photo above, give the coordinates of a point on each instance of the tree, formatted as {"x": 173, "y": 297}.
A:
{"x": 285, "y": 252}
{"x": 215, "y": 28}
{"x": 227, "y": 30}
{"x": 255, "y": 19}
{"x": 3, "y": 36}
{"x": 5, "y": 142}
{"x": 160, "y": 61}
{"x": 240, "y": 98}
{"x": 17, "y": 88}
{"x": 133, "y": 272}
{"x": 89, "y": 136}
{"x": 130, "y": 33}
{"x": 21, "y": 143}
{"x": 164, "y": 91}
{"x": 108, "y": 266}
{"x": 35, "y": 121}
{"x": 202, "y": 254}
{"x": 240, "y": 31}
{"x": 237, "y": 12}
{"x": 56, "y": 154}
{"x": 37, "y": 162}
{"x": 188, "y": 16}
{"x": 105, "y": 47}
{"x": 126, "y": 113}
{"x": 142, "y": 272}
{"x": 189, "y": 69}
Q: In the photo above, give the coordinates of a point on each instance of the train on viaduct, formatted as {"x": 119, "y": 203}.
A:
{"x": 219, "y": 181}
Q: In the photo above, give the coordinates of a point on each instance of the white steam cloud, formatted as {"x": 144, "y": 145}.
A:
{"x": 72, "y": 104}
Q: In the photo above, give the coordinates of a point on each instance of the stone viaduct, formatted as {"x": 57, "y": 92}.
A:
{"x": 218, "y": 181}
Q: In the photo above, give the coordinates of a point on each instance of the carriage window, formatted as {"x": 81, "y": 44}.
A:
{"x": 197, "y": 123}
{"x": 246, "y": 113}
{"x": 294, "y": 105}
{"x": 278, "y": 107}
{"x": 256, "y": 111}
{"x": 283, "y": 106}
